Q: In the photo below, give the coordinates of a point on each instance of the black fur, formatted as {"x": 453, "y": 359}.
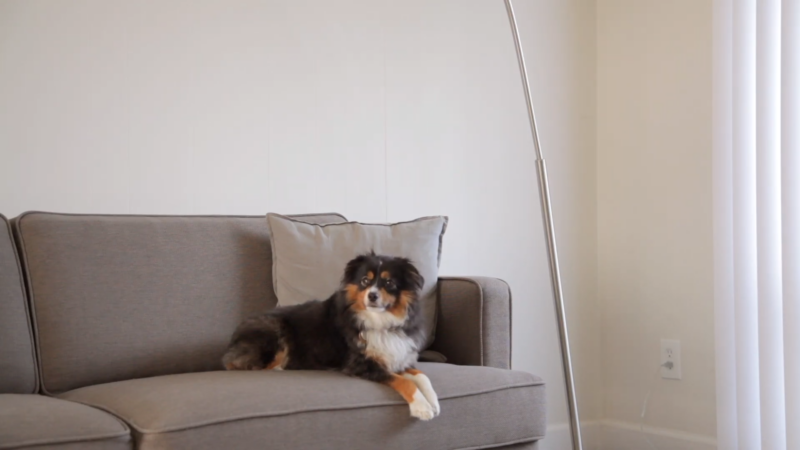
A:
{"x": 325, "y": 335}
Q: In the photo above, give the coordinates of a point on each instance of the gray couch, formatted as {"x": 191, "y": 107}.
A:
{"x": 112, "y": 329}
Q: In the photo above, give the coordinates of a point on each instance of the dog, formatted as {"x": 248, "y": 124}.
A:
{"x": 370, "y": 328}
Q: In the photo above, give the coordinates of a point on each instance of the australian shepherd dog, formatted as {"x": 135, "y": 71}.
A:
{"x": 369, "y": 328}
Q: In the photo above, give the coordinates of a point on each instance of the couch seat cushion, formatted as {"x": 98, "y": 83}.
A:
{"x": 37, "y": 422}
{"x": 481, "y": 407}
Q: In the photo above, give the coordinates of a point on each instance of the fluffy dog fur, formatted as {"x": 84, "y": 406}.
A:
{"x": 370, "y": 328}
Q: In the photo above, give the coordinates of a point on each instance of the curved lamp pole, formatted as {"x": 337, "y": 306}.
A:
{"x": 547, "y": 217}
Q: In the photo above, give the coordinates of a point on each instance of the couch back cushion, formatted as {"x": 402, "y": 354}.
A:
{"x": 121, "y": 297}
{"x": 17, "y": 360}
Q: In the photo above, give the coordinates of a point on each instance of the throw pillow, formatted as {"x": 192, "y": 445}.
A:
{"x": 308, "y": 260}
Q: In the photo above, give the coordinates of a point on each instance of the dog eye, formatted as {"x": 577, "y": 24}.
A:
{"x": 364, "y": 281}
{"x": 389, "y": 284}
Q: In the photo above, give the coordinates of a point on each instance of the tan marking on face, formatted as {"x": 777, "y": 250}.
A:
{"x": 388, "y": 298}
{"x": 371, "y": 275}
{"x": 385, "y": 275}
{"x": 405, "y": 387}
{"x": 356, "y": 297}
{"x": 400, "y": 307}
{"x": 413, "y": 372}
{"x": 278, "y": 361}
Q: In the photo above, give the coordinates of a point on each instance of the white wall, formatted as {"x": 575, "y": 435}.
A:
{"x": 655, "y": 274}
{"x": 378, "y": 110}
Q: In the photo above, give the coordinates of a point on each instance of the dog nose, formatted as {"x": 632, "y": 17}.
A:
{"x": 373, "y": 296}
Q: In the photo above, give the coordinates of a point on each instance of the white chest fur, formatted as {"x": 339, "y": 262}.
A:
{"x": 394, "y": 348}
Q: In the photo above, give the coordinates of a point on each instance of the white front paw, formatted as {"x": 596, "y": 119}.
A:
{"x": 434, "y": 402}
{"x": 424, "y": 385}
{"x": 421, "y": 409}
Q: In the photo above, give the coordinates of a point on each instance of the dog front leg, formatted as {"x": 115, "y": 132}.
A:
{"x": 417, "y": 402}
{"x": 370, "y": 370}
{"x": 424, "y": 384}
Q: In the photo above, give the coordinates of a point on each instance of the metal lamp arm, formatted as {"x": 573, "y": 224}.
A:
{"x": 547, "y": 217}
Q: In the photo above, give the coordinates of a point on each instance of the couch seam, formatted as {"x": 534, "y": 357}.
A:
{"x": 510, "y": 320}
{"x": 504, "y": 444}
{"x": 31, "y": 301}
{"x": 510, "y": 326}
{"x": 349, "y": 222}
{"x": 143, "y": 431}
{"x": 97, "y": 437}
{"x": 25, "y": 300}
{"x": 176, "y": 216}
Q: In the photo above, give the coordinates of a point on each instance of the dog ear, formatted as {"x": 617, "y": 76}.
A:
{"x": 413, "y": 276}
{"x": 352, "y": 268}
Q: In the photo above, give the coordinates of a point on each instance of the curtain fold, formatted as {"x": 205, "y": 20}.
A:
{"x": 756, "y": 95}
{"x": 790, "y": 212}
{"x": 768, "y": 199}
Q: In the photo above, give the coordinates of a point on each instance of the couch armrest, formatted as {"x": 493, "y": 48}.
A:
{"x": 474, "y": 322}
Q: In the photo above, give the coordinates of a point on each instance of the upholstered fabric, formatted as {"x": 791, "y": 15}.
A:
{"x": 481, "y": 408}
{"x": 120, "y": 297}
{"x": 309, "y": 260}
{"x": 431, "y": 356}
{"x": 530, "y": 445}
{"x": 474, "y": 324}
{"x": 104, "y": 444}
{"x": 39, "y": 422}
{"x": 17, "y": 360}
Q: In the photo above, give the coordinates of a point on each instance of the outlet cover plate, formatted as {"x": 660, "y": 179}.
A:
{"x": 671, "y": 352}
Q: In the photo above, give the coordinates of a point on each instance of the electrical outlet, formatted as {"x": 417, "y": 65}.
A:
{"x": 671, "y": 353}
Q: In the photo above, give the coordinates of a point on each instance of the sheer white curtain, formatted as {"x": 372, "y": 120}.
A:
{"x": 757, "y": 223}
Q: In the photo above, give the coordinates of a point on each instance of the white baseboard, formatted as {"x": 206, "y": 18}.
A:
{"x": 619, "y": 435}
{"x": 559, "y": 436}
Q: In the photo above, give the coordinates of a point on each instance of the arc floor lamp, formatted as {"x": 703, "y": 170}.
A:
{"x": 547, "y": 217}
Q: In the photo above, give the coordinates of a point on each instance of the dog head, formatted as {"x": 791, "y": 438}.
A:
{"x": 378, "y": 285}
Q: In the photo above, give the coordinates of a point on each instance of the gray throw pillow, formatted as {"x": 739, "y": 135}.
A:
{"x": 308, "y": 260}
